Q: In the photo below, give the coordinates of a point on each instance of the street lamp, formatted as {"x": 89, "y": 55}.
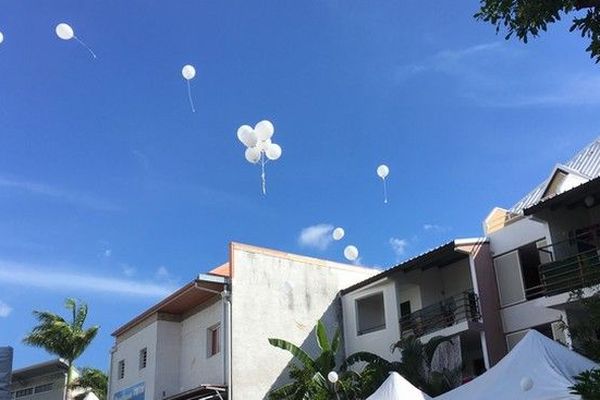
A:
{"x": 333, "y": 378}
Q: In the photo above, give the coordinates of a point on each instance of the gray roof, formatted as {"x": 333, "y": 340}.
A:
{"x": 586, "y": 163}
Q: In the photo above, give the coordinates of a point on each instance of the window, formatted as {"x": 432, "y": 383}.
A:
{"x": 404, "y": 309}
{"x": 370, "y": 314}
{"x": 121, "y": 369}
{"x": 24, "y": 392}
{"x": 43, "y": 388}
{"x": 143, "y": 357}
{"x": 214, "y": 340}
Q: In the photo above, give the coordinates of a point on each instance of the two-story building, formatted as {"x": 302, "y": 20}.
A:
{"x": 209, "y": 339}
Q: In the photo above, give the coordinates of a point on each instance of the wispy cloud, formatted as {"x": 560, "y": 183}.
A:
{"x": 49, "y": 278}
{"x": 162, "y": 272}
{"x": 128, "y": 270}
{"x": 436, "y": 228}
{"x": 398, "y": 246}
{"x": 5, "y": 309}
{"x": 64, "y": 196}
{"x": 316, "y": 236}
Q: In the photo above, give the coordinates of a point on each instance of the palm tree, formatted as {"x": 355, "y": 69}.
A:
{"x": 92, "y": 380}
{"x": 67, "y": 340}
{"x": 308, "y": 375}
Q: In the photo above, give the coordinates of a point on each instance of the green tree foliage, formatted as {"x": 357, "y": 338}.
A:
{"x": 92, "y": 380}
{"x": 66, "y": 339}
{"x": 528, "y": 18}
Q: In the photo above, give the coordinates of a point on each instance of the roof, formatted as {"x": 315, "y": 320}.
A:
{"x": 198, "y": 291}
{"x": 568, "y": 197}
{"x": 43, "y": 368}
{"x": 586, "y": 163}
{"x": 439, "y": 256}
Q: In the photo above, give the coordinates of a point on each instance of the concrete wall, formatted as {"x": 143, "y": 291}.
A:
{"x": 378, "y": 342}
{"x": 280, "y": 295}
{"x": 517, "y": 234}
{"x": 196, "y": 367}
{"x": 56, "y": 379}
{"x": 529, "y": 314}
{"x": 168, "y": 350}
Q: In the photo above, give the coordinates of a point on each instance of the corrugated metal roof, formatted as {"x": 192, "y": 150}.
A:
{"x": 586, "y": 162}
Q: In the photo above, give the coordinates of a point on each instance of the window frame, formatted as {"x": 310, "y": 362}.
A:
{"x": 213, "y": 332}
{"x": 121, "y": 369}
{"x": 143, "y": 358}
{"x": 378, "y": 328}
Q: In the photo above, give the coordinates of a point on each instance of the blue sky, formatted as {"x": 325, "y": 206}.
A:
{"x": 113, "y": 191}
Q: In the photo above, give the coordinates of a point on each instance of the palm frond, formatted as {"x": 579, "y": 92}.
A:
{"x": 295, "y": 350}
{"x": 321, "y": 335}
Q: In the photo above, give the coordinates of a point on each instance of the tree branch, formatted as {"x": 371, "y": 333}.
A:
{"x": 581, "y": 4}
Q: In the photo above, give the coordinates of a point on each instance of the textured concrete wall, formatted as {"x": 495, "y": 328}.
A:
{"x": 58, "y": 386}
{"x": 279, "y": 295}
{"x": 168, "y": 350}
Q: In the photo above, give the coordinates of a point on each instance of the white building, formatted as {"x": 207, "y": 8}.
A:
{"x": 209, "y": 339}
{"x": 46, "y": 381}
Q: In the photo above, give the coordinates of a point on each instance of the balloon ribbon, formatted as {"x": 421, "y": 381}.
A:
{"x": 86, "y": 46}
{"x": 190, "y": 95}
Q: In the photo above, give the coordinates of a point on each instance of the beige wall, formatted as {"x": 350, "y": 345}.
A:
{"x": 275, "y": 294}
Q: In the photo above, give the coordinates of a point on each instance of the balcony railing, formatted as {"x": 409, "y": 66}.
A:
{"x": 448, "y": 312}
{"x": 575, "y": 272}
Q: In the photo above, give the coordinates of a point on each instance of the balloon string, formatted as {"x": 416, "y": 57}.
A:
{"x": 262, "y": 175}
{"x": 385, "y": 199}
{"x": 190, "y": 95}
{"x": 86, "y": 46}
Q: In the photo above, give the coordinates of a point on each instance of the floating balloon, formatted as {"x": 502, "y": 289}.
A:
{"x": 246, "y": 135}
{"x": 383, "y": 171}
{"x": 351, "y": 253}
{"x": 65, "y": 32}
{"x": 526, "y": 384}
{"x": 332, "y": 377}
{"x": 189, "y": 72}
{"x": 264, "y": 130}
{"x": 273, "y": 151}
{"x": 338, "y": 233}
{"x": 259, "y": 146}
{"x": 1, "y": 37}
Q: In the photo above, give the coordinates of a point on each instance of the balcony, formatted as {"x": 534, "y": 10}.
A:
{"x": 451, "y": 311}
{"x": 572, "y": 273}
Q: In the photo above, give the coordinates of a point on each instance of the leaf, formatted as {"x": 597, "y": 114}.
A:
{"x": 296, "y": 351}
{"x": 321, "y": 334}
{"x": 335, "y": 342}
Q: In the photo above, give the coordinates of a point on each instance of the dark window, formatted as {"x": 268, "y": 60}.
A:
{"x": 143, "y": 357}
{"x": 404, "y": 309}
{"x": 24, "y": 392}
{"x": 43, "y": 388}
{"x": 370, "y": 314}
{"x": 529, "y": 256}
{"x": 214, "y": 340}
{"x": 121, "y": 369}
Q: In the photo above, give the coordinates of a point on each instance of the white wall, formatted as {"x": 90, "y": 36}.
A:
{"x": 377, "y": 342}
{"x": 196, "y": 367}
{"x": 168, "y": 350}
{"x": 128, "y": 350}
{"x": 58, "y": 385}
{"x": 529, "y": 314}
{"x": 279, "y": 295}
{"x": 517, "y": 234}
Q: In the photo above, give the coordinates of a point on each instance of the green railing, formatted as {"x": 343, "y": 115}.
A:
{"x": 571, "y": 273}
{"x": 448, "y": 312}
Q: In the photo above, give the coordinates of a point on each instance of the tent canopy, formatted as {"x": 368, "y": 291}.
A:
{"x": 396, "y": 387}
{"x": 550, "y": 365}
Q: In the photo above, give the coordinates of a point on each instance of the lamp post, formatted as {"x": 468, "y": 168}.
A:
{"x": 333, "y": 378}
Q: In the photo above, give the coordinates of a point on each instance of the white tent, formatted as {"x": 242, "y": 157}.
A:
{"x": 548, "y": 364}
{"x": 396, "y": 387}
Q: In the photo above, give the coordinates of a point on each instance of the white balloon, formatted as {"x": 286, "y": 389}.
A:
{"x": 351, "y": 253}
{"x": 1, "y": 37}
{"x": 246, "y": 135}
{"x": 264, "y": 130}
{"x": 383, "y": 171}
{"x": 188, "y": 71}
{"x": 64, "y": 31}
{"x": 338, "y": 233}
{"x": 273, "y": 152}
{"x": 526, "y": 384}
{"x": 252, "y": 155}
{"x": 332, "y": 377}
{"x": 263, "y": 145}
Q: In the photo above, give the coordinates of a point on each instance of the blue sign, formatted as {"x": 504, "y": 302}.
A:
{"x": 136, "y": 392}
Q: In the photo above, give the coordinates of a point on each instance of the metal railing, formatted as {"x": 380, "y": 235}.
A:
{"x": 448, "y": 312}
{"x": 571, "y": 273}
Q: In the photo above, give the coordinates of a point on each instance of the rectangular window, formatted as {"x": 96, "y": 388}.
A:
{"x": 214, "y": 340}
{"x": 43, "y": 388}
{"x": 404, "y": 309}
{"x": 370, "y": 314}
{"x": 143, "y": 357}
{"x": 24, "y": 392}
{"x": 121, "y": 369}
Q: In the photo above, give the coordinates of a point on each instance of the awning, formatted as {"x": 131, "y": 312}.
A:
{"x": 202, "y": 392}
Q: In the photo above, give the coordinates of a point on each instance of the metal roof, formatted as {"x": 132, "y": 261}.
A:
{"x": 586, "y": 162}
{"x": 43, "y": 368}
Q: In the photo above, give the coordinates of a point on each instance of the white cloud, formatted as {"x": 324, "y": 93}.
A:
{"x": 5, "y": 309}
{"x": 107, "y": 252}
{"x": 162, "y": 272}
{"x": 436, "y": 228}
{"x": 128, "y": 270}
{"x": 398, "y": 246}
{"x": 316, "y": 236}
{"x": 51, "y": 278}
{"x": 73, "y": 198}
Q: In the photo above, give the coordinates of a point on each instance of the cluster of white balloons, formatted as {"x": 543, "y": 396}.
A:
{"x": 189, "y": 72}
{"x": 383, "y": 171}
{"x": 65, "y": 32}
{"x": 259, "y": 146}
{"x": 351, "y": 251}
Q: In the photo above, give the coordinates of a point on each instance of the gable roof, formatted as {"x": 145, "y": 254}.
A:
{"x": 585, "y": 163}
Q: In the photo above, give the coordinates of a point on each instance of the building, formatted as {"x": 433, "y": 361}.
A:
{"x": 546, "y": 246}
{"x": 448, "y": 291}
{"x": 209, "y": 339}
{"x": 46, "y": 381}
